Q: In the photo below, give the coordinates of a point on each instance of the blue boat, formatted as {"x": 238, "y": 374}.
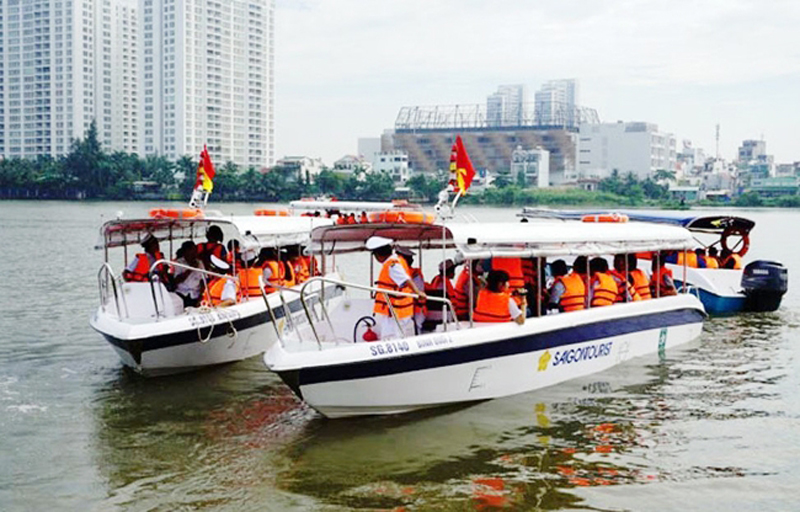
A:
{"x": 757, "y": 286}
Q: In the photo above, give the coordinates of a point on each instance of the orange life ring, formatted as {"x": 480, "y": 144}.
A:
{"x": 606, "y": 217}
{"x": 402, "y": 217}
{"x": 734, "y": 231}
{"x": 266, "y": 212}
{"x": 176, "y": 213}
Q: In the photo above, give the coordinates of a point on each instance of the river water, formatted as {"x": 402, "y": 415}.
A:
{"x": 714, "y": 425}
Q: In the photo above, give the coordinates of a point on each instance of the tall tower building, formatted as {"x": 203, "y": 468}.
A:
{"x": 506, "y": 107}
{"x": 208, "y": 68}
{"x": 62, "y": 65}
{"x": 555, "y": 103}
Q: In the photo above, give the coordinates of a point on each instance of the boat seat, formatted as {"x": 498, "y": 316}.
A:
{"x": 137, "y": 301}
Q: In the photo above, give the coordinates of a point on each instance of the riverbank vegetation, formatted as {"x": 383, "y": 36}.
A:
{"x": 87, "y": 172}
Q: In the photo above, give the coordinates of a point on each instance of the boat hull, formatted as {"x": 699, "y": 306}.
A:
{"x": 196, "y": 339}
{"x": 483, "y": 363}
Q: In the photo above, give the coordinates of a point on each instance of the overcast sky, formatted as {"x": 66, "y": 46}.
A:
{"x": 344, "y": 68}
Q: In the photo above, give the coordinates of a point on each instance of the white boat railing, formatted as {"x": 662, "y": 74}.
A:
{"x": 105, "y": 276}
{"x": 447, "y": 315}
{"x": 153, "y": 278}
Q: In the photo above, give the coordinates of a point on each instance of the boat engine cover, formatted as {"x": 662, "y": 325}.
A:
{"x": 764, "y": 283}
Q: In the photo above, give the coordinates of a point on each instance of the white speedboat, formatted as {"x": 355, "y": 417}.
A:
{"x": 148, "y": 326}
{"x": 329, "y": 366}
{"x": 758, "y": 286}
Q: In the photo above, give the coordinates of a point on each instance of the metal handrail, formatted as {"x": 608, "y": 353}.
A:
{"x": 109, "y": 276}
{"x": 345, "y": 284}
{"x": 151, "y": 275}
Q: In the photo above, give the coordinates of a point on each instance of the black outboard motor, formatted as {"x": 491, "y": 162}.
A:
{"x": 764, "y": 283}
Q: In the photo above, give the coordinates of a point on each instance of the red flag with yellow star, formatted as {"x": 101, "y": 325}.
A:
{"x": 205, "y": 172}
{"x": 461, "y": 170}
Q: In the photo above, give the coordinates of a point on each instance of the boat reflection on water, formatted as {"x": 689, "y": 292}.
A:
{"x": 194, "y": 440}
{"x": 236, "y": 437}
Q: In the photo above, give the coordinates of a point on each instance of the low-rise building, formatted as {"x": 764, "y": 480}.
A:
{"x": 628, "y": 147}
{"x": 531, "y": 167}
{"x": 775, "y": 187}
{"x": 395, "y": 163}
{"x": 299, "y": 168}
{"x": 350, "y": 164}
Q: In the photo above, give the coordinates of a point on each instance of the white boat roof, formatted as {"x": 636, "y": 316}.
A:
{"x": 355, "y": 206}
{"x": 512, "y": 239}
{"x": 253, "y": 231}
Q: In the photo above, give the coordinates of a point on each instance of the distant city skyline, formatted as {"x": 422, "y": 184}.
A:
{"x": 344, "y": 69}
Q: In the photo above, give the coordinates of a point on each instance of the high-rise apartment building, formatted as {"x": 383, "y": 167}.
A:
{"x": 208, "y": 79}
{"x": 161, "y": 77}
{"x": 555, "y": 103}
{"x": 49, "y": 61}
{"x": 506, "y": 107}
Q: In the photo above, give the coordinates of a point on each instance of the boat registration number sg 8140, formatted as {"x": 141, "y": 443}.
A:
{"x": 389, "y": 347}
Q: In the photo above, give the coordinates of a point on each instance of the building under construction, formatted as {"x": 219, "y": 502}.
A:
{"x": 426, "y": 134}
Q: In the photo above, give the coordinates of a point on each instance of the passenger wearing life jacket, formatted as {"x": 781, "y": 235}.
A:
{"x": 420, "y": 305}
{"x": 463, "y": 299}
{"x": 516, "y": 277}
{"x": 533, "y": 285}
{"x": 639, "y": 279}
{"x": 603, "y": 291}
{"x": 222, "y": 291}
{"x": 711, "y": 258}
{"x": 731, "y": 260}
{"x": 568, "y": 292}
{"x": 273, "y": 270}
{"x": 248, "y": 274}
{"x": 394, "y": 276}
{"x": 234, "y": 257}
{"x": 212, "y": 246}
{"x": 188, "y": 283}
{"x": 495, "y": 303}
{"x": 626, "y": 292}
{"x": 299, "y": 264}
{"x": 138, "y": 270}
{"x": 700, "y": 254}
{"x": 363, "y": 219}
{"x": 580, "y": 267}
{"x": 689, "y": 257}
{"x": 440, "y": 286}
{"x": 661, "y": 283}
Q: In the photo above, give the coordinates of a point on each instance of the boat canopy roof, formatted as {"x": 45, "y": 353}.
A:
{"x": 511, "y": 239}
{"x": 690, "y": 220}
{"x": 354, "y": 206}
{"x": 253, "y": 231}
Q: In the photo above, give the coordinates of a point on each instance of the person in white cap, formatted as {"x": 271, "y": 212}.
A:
{"x": 396, "y": 276}
{"x": 221, "y": 291}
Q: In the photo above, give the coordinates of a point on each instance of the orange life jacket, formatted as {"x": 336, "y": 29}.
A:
{"x": 737, "y": 262}
{"x": 574, "y": 296}
{"x": 206, "y": 249}
{"x": 659, "y": 287}
{"x": 461, "y": 293}
{"x": 403, "y": 306}
{"x": 289, "y": 278}
{"x": 276, "y": 279}
{"x": 420, "y": 304}
{"x": 313, "y": 266}
{"x": 301, "y": 271}
{"x": 213, "y": 295}
{"x": 690, "y": 258}
{"x": 711, "y": 262}
{"x": 622, "y": 285}
{"x": 492, "y": 307}
{"x": 641, "y": 284}
{"x": 436, "y": 286}
{"x": 248, "y": 277}
{"x": 604, "y": 290}
{"x": 513, "y": 267}
{"x": 141, "y": 272}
